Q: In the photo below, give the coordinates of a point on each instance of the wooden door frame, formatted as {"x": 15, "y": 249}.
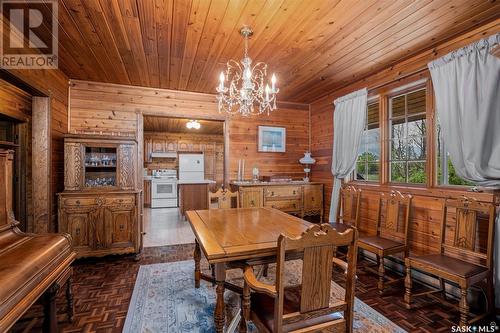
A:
{"x": 41, "y": 154}
{"x": 42, "y": 164}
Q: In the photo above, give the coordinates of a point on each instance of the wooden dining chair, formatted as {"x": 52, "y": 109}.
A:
{"x": 306, "y": 307}
{"x": 393, "y": 218}
{"x": 348, "y": 208}
{"x": 466, "y": 254}
{"x": 223, "y": 198}
{"x": 347, "y": 211}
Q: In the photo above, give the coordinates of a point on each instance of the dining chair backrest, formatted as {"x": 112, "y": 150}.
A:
{"x": 394, "y": 215}
{"x": 349, "y": 204}
{"x": 467, "y": 229}
{"x": 317, "y": 243}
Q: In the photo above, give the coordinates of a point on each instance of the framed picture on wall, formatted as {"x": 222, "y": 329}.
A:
{"x": 272, "y": 139}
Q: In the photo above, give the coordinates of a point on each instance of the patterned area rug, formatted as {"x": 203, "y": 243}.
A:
{"x": 165, "y": 300}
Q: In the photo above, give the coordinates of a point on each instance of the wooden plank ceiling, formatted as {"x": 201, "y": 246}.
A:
{"x": 178, "y": 125}
{"x": 314, "y": 46}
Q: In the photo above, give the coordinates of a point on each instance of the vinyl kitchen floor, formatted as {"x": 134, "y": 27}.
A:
{"x": 165, "y": 226}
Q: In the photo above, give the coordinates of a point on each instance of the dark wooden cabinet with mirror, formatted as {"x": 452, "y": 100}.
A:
{"x": 100, "y": 204}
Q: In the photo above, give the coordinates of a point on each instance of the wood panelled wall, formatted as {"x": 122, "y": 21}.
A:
{"x": 101, "y": 108}
{"x": 428, "y": 201}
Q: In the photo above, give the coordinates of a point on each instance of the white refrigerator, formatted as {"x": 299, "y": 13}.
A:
{"x": 191, "y": 167}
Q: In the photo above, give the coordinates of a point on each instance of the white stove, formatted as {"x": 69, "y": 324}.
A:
{"x": 164, "y": 188}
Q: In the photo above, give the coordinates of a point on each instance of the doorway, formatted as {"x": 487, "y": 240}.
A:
{"x": 165, "y": 139}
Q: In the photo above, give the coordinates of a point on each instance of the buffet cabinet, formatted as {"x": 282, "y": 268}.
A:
{"x": 99, "y": 206}
{"x": 303, "y": 199}
{"x": 99, "y": 223}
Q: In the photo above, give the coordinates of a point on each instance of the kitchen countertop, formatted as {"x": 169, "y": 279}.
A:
{"x": 205, "y": 181}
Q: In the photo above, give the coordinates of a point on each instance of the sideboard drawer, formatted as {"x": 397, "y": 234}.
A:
{"x": 121, "y": 200}
{"x": 283, "y": 192}
{"x": 284, "y": 205}
{"x": 78, "y": 201}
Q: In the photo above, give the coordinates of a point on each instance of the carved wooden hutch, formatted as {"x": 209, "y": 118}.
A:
{"x": 99, "y": 207}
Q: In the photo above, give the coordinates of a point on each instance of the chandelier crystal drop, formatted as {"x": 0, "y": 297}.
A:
{"x": 247, "y": 91}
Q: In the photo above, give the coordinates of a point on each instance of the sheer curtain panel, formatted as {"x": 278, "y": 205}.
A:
{"x": 348, "y": 124}
{"x": 467, "y": 92}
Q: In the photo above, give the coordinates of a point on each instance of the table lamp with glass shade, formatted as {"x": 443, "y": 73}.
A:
{"x": 307, "y": 160}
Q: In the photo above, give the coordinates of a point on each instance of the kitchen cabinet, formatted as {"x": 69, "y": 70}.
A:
{"x": 170, "y": 146}
{"x": 185, "y": 143}
{"x": 159, "y": 146}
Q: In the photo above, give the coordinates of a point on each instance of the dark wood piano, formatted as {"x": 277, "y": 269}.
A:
{"x": 31, "y": 266}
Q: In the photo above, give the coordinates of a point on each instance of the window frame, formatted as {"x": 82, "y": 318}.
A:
{"x": 402, "y": 91}
{"x": 383, "y": 94}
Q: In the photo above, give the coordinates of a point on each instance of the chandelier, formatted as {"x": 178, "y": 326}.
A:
{"x": 246, "y": 92}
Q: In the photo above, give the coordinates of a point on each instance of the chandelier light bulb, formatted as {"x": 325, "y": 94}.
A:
{"x": 273, "y": 82}
{"x": 267, "y": 92}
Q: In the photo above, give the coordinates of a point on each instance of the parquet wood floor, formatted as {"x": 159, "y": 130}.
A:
{"x": 103, "y": 288}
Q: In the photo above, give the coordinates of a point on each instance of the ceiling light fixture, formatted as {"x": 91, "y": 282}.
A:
{"x": 193, "y": 124}
{"x": 246, "y": 92}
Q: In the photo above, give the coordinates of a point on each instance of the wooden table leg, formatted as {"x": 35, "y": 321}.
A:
{"x": 197, "y": 259}
{"x": 219, "y": 315}
{"x": 245, "y": 308}
{"x": 50, "y": 310}
{"x": 69, "y": 299}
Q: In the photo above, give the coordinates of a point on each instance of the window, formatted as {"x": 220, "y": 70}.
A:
{"x": 446, "y": 172}
{"x": 368, "y": 164}
{"x": 407, "y": 142}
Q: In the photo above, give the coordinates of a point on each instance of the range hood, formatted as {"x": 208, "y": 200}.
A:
{"x": 164, "y": 155}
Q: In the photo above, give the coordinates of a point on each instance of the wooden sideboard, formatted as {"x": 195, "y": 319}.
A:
{"x": 99, "y": 207}
{"x": 299, "y": 198}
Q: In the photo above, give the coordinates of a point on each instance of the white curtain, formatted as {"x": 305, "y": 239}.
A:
{"x": 467, "y": 92}
{"x": 348, "y": 125}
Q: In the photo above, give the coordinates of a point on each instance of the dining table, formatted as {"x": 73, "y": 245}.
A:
{"x": 237, "y": 235}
